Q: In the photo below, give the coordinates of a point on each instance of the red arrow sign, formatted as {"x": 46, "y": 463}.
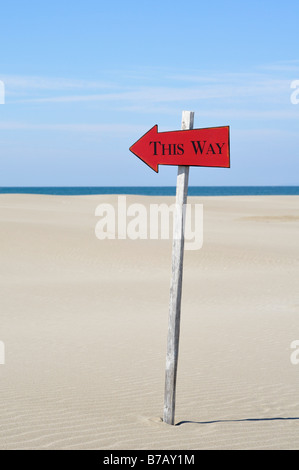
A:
{"x": 195, "y": 147}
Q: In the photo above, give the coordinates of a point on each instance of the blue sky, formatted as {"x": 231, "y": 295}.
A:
{"x": 84, "y": 80}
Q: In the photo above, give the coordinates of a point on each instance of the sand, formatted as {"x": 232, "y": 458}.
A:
{"x": 84, "y": 324}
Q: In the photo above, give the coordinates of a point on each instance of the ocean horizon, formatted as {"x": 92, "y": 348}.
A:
{"x": 154, "y": 190}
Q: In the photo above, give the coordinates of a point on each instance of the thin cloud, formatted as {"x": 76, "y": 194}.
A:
{"x": 282, "y": 66}
{"x": 240, "y": 95}
{"x": 161, "y": 94}
{"x": 80, "y": 127}
{"x": 273, "y": 114}
{"x": 28, "y": 84}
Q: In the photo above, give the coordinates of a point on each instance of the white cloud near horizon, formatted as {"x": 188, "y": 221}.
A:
{"x": 124, "y": 129}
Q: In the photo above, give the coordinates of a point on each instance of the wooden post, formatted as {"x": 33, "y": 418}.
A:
{"x": 176, "y": 284}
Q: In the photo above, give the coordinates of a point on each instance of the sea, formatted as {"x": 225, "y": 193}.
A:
{"x": 155, "y": 190}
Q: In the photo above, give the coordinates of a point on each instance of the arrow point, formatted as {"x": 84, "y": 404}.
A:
{"x": 141, "y": 148}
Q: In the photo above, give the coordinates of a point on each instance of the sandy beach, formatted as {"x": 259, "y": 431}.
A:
{"x": 84, "y": 324}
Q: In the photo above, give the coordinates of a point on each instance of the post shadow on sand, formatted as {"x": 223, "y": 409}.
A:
{"x": 237, "y": 420}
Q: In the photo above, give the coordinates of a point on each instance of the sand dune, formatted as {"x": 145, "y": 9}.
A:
{"x": 84, "y": 323}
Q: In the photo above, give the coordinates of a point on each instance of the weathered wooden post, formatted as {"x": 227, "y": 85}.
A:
{"x": 196, "y": 147}
{"x": 176, "y": 284}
